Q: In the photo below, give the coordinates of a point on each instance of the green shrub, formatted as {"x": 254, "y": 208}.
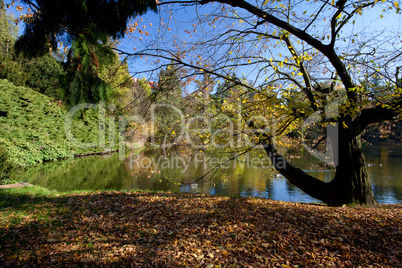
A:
{"x": 6, "y": 166}
{"x": 32, "y": 127}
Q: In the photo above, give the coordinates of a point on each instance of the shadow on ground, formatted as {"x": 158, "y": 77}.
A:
{"x": 166, "y": 229}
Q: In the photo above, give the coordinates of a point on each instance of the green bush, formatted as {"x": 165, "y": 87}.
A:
{"x": 32, "y": 127}
{"x": 6, "y": 166}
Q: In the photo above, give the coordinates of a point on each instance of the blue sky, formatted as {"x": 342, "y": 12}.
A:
{"x": 182, "y": 19}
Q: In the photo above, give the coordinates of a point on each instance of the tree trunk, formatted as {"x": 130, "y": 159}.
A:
{"x": 350, "y": 184}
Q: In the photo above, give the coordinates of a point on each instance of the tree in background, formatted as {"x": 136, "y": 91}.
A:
{"x": 118, "y": 77}
{"x": 45, "y": 75}
{"x": 168, "y": 97}
{"x": 8, "y": 31}
{"x": 138, "y": 97}
{"x": 230, "y": 88}
{"x": 169, "y": 86}
{"x": 204, "y": 90}
{"x": 130, "y": 96}
{"x": 11, "y": 67}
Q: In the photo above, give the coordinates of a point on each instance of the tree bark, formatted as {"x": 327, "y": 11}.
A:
{"x": 351, "y": 183}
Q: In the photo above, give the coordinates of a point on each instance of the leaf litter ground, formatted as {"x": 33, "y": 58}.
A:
{"x": 144, "y": 229}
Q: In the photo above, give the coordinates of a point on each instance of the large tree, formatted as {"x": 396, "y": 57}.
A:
{"x": 305, "y": 54}
{"x": 77, "y": 20}
{"x": 85, "y": 27}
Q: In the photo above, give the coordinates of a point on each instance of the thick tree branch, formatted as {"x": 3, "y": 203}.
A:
{"x": 312, "y": 186}
{"x": 377, "y": 114}
{"x": 271, "y": 19}
{"x": 327, "y": 50}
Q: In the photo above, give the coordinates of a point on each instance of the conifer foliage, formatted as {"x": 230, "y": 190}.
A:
{"x": 77, "y": 19}
{"x": 86, "y": 26}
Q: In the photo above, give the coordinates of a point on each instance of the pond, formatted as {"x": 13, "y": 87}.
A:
{"x": 181, "y": 169}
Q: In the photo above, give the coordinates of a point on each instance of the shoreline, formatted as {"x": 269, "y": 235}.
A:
{"x": 207, "y": 195}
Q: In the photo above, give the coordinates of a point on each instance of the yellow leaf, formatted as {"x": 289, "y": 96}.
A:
{"x": 396, "y": 4}
{"x": 173, "y": 132}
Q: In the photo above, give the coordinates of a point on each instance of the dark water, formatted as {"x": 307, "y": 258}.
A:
{"x": 249, "y": 175}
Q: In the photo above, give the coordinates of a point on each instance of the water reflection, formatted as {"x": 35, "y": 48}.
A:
{"x": 385, "y": 171}
{"x": 249, "y": 175}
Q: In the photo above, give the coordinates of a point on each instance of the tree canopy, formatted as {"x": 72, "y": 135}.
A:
{"x": 85, "y": 27}
{"x": 67, "y": 20}
{"x": 302, "y": 55}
